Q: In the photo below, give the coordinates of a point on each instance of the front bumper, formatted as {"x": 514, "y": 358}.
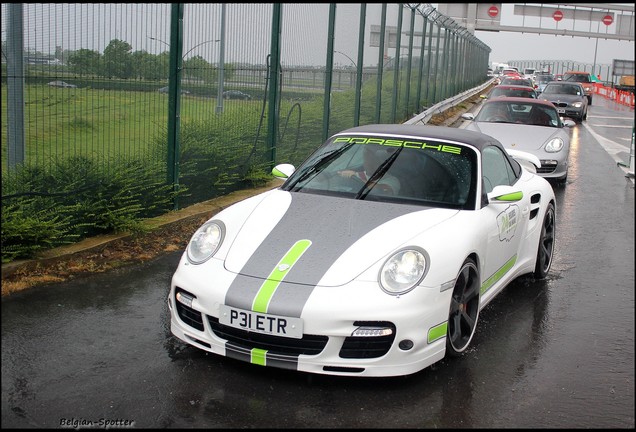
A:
{"x": 331, "y": 315}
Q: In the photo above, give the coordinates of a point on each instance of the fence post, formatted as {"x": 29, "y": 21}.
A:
{"x": 274, "y": 77}
{"x": 378, "y": 94}
{"x": 396, "y": 66}
{"x": 329, "y": 72}
{"x": 174, "y": 99}
{"x": 360, "y": 64}
{"x": 16, "y": 151}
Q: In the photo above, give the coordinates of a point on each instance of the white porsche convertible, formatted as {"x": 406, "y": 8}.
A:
{"x": 374, "y": 257}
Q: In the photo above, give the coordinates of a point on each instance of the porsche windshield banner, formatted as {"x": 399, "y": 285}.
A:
{"x": 446, "y": 148}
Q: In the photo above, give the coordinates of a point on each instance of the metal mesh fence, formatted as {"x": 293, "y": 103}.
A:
{"x": 207, "y": 97}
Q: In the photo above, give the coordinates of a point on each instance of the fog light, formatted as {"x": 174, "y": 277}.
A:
{"x": 372, "y": 331}
{"x": 184, "y": 299}
{"x": 549, "y": 163}
{"x": 406, "y": 344}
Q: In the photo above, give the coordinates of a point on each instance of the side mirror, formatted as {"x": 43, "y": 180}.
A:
{"x": 483, "y": 96}
{"x": 468, "y": 116}
{"x": 569, "y": 123}
{"x": 283, "y": 171}
{"x": 503, "y": 194}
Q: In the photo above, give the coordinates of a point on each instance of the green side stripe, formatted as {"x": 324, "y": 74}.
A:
{"x": 498, "y": 275}
{"x": 266, "y": 291}
{"x": 278, "y": 173}
{"x": 515, "y": 196}
{"x": 437, "y": 332}
{"x": 258, "y": 356}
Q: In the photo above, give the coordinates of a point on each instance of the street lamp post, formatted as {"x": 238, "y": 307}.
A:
{"x": 219, "y": 98}
{"x": 350, "y": 59}
{"x": 355, "y": 66}
{"x": 190, "y": 50}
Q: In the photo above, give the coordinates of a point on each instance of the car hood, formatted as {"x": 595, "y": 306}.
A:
{"x": 518, "y": 136}
{"x": 310, "y": 239}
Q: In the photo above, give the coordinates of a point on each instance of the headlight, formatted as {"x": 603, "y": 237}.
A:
{"x": 403, "y": 270}
{"x": 555, "y": 145}
{"x": 205, "y": 242}
{"x": 577, "y": 104}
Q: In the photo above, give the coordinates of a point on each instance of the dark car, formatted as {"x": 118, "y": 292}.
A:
{"x": 235, "y": 94}
{"x": 585, "y": 78}
{"x": 568, "y": 98}
{"x": 511, "y": 91}
{"x": 542, "y": 80}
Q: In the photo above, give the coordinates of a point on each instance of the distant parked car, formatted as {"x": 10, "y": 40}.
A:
{"x": 61, "y": 84}
{"x": 165, "y": 90}
{"x": 235, "y": 94}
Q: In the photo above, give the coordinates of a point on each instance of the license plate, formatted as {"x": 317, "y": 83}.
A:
{"x": 561, "y": 111}
{"x": 275, "y": 325}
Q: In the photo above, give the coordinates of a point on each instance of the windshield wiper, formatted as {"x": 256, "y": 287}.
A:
{"x": 319, "y": 165}
{"x": 377, "y": 174}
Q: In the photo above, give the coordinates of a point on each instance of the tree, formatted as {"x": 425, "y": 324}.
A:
{"x": 84, "y": 61}
{"x": 147, "y": 66}
{"x": 198, "y": 68}
{"x": 118, "y": 60}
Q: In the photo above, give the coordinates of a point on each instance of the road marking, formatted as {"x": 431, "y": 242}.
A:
{"x": 612, "y": 148}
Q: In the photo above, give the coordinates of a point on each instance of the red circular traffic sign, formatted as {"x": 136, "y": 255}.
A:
{"x": 557, "y": 15}
{"x": 607, "y": 20}
{"x": 493, "y": 11}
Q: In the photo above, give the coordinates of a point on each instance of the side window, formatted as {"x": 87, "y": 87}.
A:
{"x": 496, "y": 170}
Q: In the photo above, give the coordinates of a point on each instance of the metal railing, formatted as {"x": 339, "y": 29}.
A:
{"x": 211, "y": 95}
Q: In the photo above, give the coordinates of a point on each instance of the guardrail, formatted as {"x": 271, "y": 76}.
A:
{"x": 426, "y": 115}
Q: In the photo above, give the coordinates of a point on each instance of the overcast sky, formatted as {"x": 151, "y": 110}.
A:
{"x": 93, "y": 25}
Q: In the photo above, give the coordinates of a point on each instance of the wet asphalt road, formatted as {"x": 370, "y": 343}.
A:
{"x": 557, "y": 353}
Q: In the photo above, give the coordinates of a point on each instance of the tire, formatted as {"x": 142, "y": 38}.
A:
{"x": 546, "y": 244}
{"x": 464, "y": 309}
{"x": 589, "y": 100}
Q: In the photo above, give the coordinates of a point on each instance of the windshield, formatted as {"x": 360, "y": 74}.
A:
{"x": 534, "y": 114}
{"x": 576, "y": 78}
{"x": 563, "y": 89}
{"x": 517, "y": 81}
{"x": 513, "y": 92}
{"x": 391, "y": 169}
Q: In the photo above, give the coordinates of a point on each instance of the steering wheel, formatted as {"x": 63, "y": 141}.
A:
{"x": 497, "y": 118}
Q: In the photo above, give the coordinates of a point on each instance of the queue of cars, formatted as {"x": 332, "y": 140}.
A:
{"x": 539, "y": 126}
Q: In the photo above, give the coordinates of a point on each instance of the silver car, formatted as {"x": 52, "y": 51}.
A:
{"x": 529, "y": 125}
{"x": 568, "y": 98}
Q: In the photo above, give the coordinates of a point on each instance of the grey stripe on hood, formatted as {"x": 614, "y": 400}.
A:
{"x": 331, "y": 224}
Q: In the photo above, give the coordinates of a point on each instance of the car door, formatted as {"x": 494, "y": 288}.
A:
{"x": 505, "y": 222}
